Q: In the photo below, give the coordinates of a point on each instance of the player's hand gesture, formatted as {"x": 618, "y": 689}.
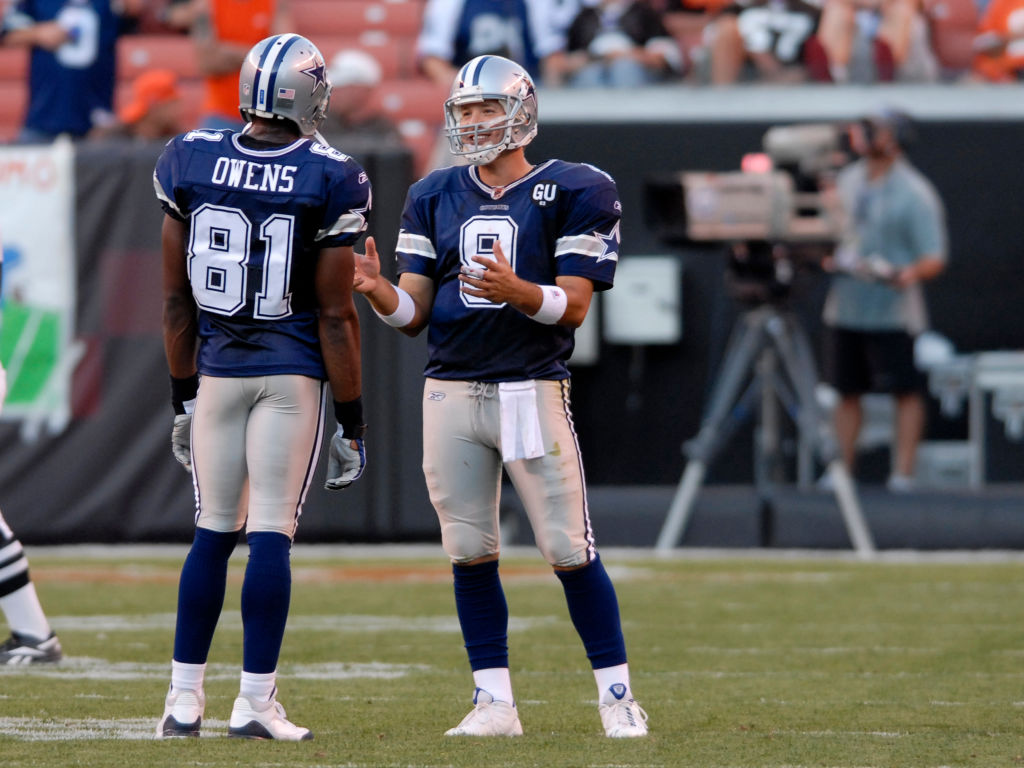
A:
{"x": 367, "y": 268}
{"x": 493, "y": 279}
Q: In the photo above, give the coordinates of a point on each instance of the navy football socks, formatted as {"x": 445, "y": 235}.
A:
{"x": 201, "y": 594}
{"x": 266, "y": 594}
{"x": 483, "y": 614}
{"x": 594, "y": 610}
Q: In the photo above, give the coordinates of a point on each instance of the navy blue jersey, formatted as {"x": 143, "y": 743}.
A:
{"x": 560, "y": 219}
{"x": 257, "y": 222}
{"x": 69, "y": 86}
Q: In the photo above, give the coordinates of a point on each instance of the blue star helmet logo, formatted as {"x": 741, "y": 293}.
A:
{"x": 318, "y": 73}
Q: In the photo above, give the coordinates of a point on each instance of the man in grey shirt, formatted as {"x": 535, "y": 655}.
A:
{"x": 894, "y": 239}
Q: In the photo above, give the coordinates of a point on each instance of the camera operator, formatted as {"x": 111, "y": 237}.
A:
{"x": 894, "y": 238}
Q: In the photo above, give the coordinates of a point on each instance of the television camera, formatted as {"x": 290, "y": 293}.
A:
{"x": 778, "y": 196}
{"x": 777, "y": 214}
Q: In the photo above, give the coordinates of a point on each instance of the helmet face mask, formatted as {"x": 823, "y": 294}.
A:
{"x": 491, "y": 78}
{"x": 285, "y": 77}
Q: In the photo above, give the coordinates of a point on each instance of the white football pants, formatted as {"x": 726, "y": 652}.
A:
{"x": 462, "y": 463}
{"x": 262, "y": 429}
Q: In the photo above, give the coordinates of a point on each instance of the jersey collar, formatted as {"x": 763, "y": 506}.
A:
{"x": 284, "y": 149}
{"x": 496, "y": 193}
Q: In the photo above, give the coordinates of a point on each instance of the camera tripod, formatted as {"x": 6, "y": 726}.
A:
{"x": 769, "y": 347}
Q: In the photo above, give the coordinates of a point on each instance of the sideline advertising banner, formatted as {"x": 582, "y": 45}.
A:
{"x": 37, "y": 345}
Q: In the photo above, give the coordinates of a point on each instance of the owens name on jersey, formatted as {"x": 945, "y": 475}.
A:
{"x": 560, "y": 219}
{"x": 257, "y": 220}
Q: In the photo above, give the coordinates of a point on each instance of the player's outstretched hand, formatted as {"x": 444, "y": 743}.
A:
{"x": 367, "y": 268}
{"x": 181, "y": 440}
{"x": 345, "y": 462}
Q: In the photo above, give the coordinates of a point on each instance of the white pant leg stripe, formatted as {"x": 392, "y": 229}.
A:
{"x": 567, "y": 410}
{"x": 315, "y": 452}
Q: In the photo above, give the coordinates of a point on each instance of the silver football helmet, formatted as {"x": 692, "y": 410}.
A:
{"x": 484, "y": 78}
{"x": 285, "y": 76}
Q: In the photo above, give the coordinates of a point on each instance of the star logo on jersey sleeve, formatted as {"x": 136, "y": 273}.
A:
{"x": 609, "y": 244}
{"x": 319, "y": 75}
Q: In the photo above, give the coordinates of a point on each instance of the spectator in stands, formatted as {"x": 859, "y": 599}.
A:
{"x": 224, "y": 31}
{"x": 999, "y": 45}
{"x": 894, "y": 240}
{"x": 154, "y": 112}
{"x": 863, "y": 41}
{"x": 688, "y": 21}
{"x": 621, "y": 44}
{"x": 72, "y": 64}
{"x": 355, "y": 114}
{"x": 761, "y": 40}
{"x": 526, "y": 31}
{"x": 158, "y": 17}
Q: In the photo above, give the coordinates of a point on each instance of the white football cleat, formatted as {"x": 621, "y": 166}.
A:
{"x": 488, "y": 718}
{"x": 183, "y": 714}
{"x": 622, "y": 718}
{"x": 264, "y": 720}
{"x": 19, "y": 649}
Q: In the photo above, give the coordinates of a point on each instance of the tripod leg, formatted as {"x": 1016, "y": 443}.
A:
{"x": 846, "y": 496}
{"x": 744, "y": 344}
{"x": 795, "y": 351}
{"x": 679, "y": 511}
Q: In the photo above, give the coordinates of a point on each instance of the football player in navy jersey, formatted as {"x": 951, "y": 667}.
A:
{"x": 500, "y": 258}
{"x": 258, "y": 313}
{"x": 72, "y": 65}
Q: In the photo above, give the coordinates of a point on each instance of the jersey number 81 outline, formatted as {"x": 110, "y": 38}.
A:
{"x": 219, "y": 252}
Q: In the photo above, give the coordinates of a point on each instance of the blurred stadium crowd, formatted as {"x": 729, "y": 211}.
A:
{"x": 391, "y": 61}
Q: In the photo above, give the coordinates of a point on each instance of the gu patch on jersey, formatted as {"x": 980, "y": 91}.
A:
{"x": 544, "y": 193}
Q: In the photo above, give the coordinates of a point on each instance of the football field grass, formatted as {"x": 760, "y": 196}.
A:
{"x": 768, "y": 660}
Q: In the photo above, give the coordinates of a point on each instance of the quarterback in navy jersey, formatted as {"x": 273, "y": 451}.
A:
{"x": 258, "y": 314}
{"x": 500, "y": 259}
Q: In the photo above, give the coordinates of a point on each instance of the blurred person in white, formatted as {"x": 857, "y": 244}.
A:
{"x": 32, "y": 640}
{"x": 354, "y": 114}
{"x": 894, "y": 239}
{"x": 529, "y": 32}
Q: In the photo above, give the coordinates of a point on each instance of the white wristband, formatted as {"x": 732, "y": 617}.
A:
{"x": 553, "y": 305}
{"x": 404, "y": 312}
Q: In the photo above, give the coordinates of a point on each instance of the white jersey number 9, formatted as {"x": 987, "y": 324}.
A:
{"x": 476, "y": 238}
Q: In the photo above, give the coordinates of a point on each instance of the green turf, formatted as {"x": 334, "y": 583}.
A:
{"x": 772, "y": 663}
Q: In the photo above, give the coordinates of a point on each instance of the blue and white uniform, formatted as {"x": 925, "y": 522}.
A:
{"x": 497, "y": 388}
{"x": 72, "y": 88}
{"x": 560, "y": 219}
{"x": 525, "y": 31}
{"x": 257, "y": 219}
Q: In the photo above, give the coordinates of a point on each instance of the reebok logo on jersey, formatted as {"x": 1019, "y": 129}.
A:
{"x": 544, "y": 193}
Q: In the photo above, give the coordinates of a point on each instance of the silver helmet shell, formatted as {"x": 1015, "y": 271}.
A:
{"x": 482, "y": 79}
{"x": 285, "y": 76}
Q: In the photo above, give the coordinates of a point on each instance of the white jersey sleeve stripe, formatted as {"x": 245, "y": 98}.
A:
{"x": 347, "y": 222}
{"x": 585, "y": 245}
{"x": 161, "y": 195}
{"x": 417, "y": 245}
